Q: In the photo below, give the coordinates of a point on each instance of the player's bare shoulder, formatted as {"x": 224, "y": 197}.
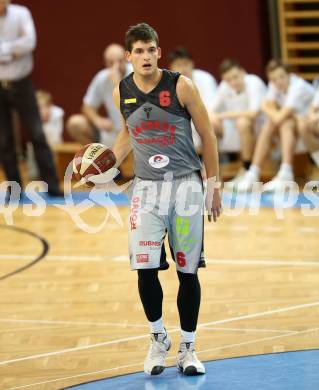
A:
{"x": 186, "y": 90}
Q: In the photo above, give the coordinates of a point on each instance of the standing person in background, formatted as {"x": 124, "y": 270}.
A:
{"x": 309, "y": 130}
{"x": 238, "y": 100}
{"x": 52, "y": 122}
{"x": 288, "y": 98}
{"x": 90, "y": 126}
{"x": 180, "y": 60}
{"x": 17, "y": 42}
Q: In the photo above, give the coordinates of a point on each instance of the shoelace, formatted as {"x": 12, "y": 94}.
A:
{"x": 188, "y": 354}
{"x": 157, "y": 347}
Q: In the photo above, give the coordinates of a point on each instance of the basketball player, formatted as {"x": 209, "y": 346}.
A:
{"x": 237, "y": 103}
{"x": 288, "y": 97}
{"x": 309, "y": 129}
{"x": 157, "y": 106}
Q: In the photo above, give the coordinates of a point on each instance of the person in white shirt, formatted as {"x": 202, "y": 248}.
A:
{"x": 288, "y": 97}
{"x": 238, "y": 99}
{"x": 52, "y": 122}
{"x": 90, "y": 126}
{"x": 17, "y": 42}
{"x": 52, "y": 118}
{"x": 180, "y": 60}
{"x": 309, "y": 129}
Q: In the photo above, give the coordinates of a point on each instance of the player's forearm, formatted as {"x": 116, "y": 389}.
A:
{"x": 122, "y": 146}
{"x": 91, "y": 113}
{"x": 210, "y": 154}
{"x": 284, "y": 113}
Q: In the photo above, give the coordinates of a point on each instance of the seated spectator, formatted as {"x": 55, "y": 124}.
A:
{"x": 238, "y": 103}
{"x": 288, "y": 96}
{"x": 52, "y": 123}
{"x": 90, "y": 126}
{"x": 309, "y": 129}
{"x": 180, "y": 60}
{"x": 52, "y": 118}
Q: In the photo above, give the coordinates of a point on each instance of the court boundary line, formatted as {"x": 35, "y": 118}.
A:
{"x": 79, "y": 323}
{"x": 224, "y": 321}
{"x": 262, "y": 262}
{"x": 125, "y": 325}
{"x": 170, "y": 358}
{"x": 247, "y": 330}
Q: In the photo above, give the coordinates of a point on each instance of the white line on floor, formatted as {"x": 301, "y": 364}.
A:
{"x": 62, "y": 351}
{"x": 297, "y": 333}
{"x": 80, "y": 323}
{"x": 169, "y": 358}
{"x": 52, "y": 257}
{"x": 249, "y": 330}
{"x": 124, "y": 258}
{"x": 75, "y": 376}
{"x": 285, "y": 263}
{"x": 225, "y": 321}
{"x": 261, "y": 314}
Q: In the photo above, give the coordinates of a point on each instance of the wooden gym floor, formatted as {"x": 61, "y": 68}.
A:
{"x": 75, "y": 316}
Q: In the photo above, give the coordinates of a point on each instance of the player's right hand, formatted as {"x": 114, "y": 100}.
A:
{"x": 213, "y": 200}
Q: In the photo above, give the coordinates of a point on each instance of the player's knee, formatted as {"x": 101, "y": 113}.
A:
{"x": 244, "y": 124}
{"x": 187, "y": 279}
{"x": 147, "y": 276}
{"x": 303, "y": 128}
{"x": 75, "y": 124}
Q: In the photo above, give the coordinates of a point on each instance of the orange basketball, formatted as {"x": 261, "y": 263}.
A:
{"x": 92, "y": 161}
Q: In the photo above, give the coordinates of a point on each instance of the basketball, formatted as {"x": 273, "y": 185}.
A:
{"x": 92, "y": 162}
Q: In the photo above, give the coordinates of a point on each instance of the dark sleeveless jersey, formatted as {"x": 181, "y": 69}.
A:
{"x": 160, "y": 129}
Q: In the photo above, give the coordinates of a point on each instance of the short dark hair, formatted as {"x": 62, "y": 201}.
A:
{"x": 140, "y": 32}
{"x": 179, "y": 53}
{"x": 274, "y": 64}
{"x": 228, "y": 64}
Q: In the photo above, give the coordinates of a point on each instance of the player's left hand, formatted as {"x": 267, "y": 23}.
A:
{"x": 213, "y": 200}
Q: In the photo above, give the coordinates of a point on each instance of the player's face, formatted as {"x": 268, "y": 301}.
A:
{"x": 3, "y": 5}
{"x": 144, "y": 57}
{"x": 184, "y": 66}
{"x": 235, "y": 79}
{"x": 280, "y": 78}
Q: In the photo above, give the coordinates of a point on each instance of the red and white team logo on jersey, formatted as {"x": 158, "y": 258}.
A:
{"x": 142, "y": 258}
{"x": 158, "y": 161}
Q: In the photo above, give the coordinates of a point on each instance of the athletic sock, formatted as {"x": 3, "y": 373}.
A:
{"x": 157, "y": 326}
{"x": 187, "y": 337}
{"x": 286, "y": 168}
{"x": 246, "y": 164}
{"x": 315, "y": 157}
{"x": 255, "y": 170}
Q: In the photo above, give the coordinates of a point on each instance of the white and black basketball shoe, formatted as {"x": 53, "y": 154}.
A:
{"x": 155, "y": 360}
{"x": 187, "y": 361}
